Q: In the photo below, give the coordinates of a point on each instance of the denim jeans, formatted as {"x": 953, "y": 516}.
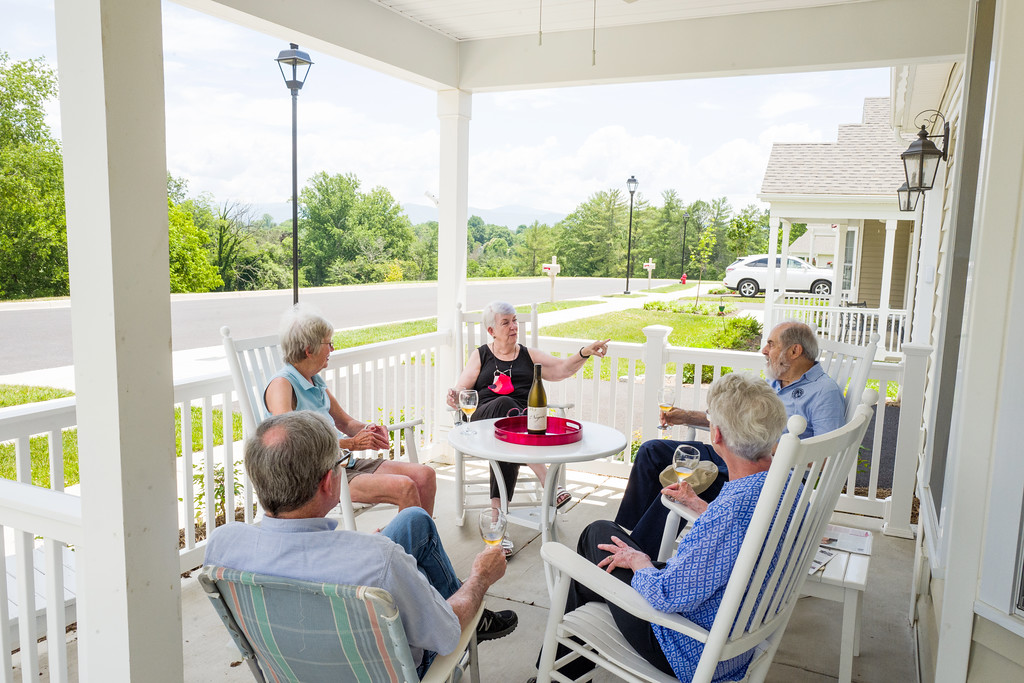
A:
{"x": 414, "y": 530}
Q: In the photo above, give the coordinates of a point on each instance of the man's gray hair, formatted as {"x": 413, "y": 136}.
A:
{"x": 493, "y": 310}
{"x": 749, "y": 414}
{"x": 288, "y": 456}
{"x": 302, "y": 329}
{"x": 796, "y": 332}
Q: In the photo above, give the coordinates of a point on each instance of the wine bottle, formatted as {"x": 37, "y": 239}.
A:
{"x": 537, "y": 405}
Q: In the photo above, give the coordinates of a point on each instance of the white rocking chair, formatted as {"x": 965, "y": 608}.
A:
{"x": 805, "y": 478}
{"x": 253, "y": 363}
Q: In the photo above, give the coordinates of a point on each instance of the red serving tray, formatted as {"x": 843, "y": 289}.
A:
{"x": 560, "y": 431}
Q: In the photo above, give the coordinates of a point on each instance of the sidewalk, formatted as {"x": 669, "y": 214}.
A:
{"x": 210, "y": 360}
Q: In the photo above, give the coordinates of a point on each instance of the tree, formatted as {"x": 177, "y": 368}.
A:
{"x": 748, "y": 232}
{"x": 661, "y": 235}
{"x": 190, "y": 269}
{"x": 424, "y": 252}
{"x": 594, "y": 238}
{"x": 325, "y": 204}
{"x": 533, "y": 246}
{"x": 33, "y": 233}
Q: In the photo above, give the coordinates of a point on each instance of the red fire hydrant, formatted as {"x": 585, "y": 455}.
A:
{"x": 682, "y": 280}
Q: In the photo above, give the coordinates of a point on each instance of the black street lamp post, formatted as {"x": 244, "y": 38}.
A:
{"x": 682, "y": 262}
{"x": 296, "y": 59}
{"x": 631, "y": 185}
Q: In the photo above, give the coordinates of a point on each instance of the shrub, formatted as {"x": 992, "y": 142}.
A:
{"x": 741, "y": 334}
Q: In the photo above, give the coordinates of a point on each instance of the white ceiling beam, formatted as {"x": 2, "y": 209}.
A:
{"x": 356, "y": 31}
{"x": 860, "y": 35}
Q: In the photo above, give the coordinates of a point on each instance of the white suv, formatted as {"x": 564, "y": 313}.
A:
{"x": 749, "y": 275}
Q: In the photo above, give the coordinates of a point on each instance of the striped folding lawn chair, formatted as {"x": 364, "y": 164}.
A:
{"x": 290, "y": 630}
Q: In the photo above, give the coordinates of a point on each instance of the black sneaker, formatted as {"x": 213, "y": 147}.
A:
{"x": 494, "y": 625}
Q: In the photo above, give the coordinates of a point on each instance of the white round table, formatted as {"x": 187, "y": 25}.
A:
{"x": 597, "y": 441}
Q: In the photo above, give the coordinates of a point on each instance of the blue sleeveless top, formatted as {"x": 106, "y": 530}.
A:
{"x": 308, "y": 395}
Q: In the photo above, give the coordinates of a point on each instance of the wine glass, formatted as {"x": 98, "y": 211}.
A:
{"x": 492, "y": 526}
{"x": 467, "y": 403}
{"x": 666, "y": 400}
{"x": 685, "y": 461}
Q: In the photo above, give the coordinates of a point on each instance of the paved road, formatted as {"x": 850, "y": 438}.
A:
{"x": 36, "y": 336}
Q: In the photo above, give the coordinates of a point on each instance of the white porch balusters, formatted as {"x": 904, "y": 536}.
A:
{"x": 654, "y": 377}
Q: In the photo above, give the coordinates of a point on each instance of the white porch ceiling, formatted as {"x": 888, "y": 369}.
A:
{"x": 482, "y": 19}
{"x": 492, "y": 45}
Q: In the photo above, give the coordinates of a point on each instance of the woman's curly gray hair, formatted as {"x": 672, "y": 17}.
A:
{"x": 748, "y": 412}
{"x": 302, "y": 329}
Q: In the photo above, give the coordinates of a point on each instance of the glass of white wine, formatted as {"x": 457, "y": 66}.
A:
{"x": 666, "y": 400}
{"x": 685, "y": 461}
{"x": 492, "y": 526}
{"x": 467, "y": 404}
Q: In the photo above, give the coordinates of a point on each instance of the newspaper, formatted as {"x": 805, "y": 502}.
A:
{"x": 821, "y": 558}
{"x": 844, "y": 538}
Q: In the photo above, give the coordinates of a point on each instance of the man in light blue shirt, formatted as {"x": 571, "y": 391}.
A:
{"x": 791, "y": 365}
{"x": 293, "y": 461}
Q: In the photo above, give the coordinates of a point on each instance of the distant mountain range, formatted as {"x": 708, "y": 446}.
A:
{"x": 509, "y": 216}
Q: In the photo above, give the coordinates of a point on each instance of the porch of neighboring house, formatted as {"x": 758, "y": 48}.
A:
{"x": 396, "y": 377}
{"x": 872, "y": 245}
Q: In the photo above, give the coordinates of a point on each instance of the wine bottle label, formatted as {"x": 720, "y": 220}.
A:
{"x": 537, "y": 419}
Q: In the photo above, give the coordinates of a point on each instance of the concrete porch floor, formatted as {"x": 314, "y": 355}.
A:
{"x": 809, "y": 652}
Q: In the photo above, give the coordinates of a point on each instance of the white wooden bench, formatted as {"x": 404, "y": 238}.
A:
{"x": 843, "y": 580}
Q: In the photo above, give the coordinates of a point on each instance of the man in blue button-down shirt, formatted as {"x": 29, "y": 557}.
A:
{"x": 793, "y": 371}
{"x": 293, "y": 461}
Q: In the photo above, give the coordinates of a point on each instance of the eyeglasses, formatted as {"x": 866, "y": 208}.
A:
{"x": 328, "y": 343}
{"x": 345, "y": 456}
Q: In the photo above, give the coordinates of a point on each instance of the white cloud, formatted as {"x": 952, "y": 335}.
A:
{"x": 786, "y": 102}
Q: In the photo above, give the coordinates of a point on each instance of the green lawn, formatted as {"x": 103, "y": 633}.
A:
{"x": 18, "y": 394}
{"x": 695, "y": 331}
{"x": 346, "y": 339}
{"x": 39, "y": 450}
{"x": 667, "y": 289}
{"x": 624, "y": 296}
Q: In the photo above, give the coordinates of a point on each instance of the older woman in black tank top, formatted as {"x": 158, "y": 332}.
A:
{"x": 502, "y": 373}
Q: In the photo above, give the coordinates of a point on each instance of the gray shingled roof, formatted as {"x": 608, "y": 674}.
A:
{"x": 864, "y": 160}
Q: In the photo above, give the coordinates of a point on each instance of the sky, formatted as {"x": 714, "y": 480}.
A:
{"x": 228, "y": 119}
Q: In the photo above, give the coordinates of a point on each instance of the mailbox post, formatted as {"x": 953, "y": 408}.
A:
{"x": 551, "y": 270}
{"x": 649, "y": 267}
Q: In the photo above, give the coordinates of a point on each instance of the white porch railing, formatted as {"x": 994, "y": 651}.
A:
{"x": 848, "y": 324}
{"x": 395, "y": 381}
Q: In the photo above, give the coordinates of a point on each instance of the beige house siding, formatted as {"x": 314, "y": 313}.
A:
{"x": 996, "y": 653}
{"x": 872, "y": 258}
{"x": 900, "y": 260}
{"x": 872, "y": 253}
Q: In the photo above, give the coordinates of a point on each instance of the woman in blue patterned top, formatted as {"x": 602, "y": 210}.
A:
{"x": 747, "y": 419}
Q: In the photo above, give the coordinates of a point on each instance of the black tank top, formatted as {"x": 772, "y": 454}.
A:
{"x": 520, "y": 370}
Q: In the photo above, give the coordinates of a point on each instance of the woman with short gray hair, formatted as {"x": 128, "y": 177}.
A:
{"x": 501, "y": 372}
{"x": 306, "y": 344}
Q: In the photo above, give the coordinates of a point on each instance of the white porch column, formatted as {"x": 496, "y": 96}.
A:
{"x": 454, "y": 108}
{"x": 769, "y": 301}
{"x": 784, "y": 270}
{"x": 112, "y": 110}
{"x": 890, "y": 246}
